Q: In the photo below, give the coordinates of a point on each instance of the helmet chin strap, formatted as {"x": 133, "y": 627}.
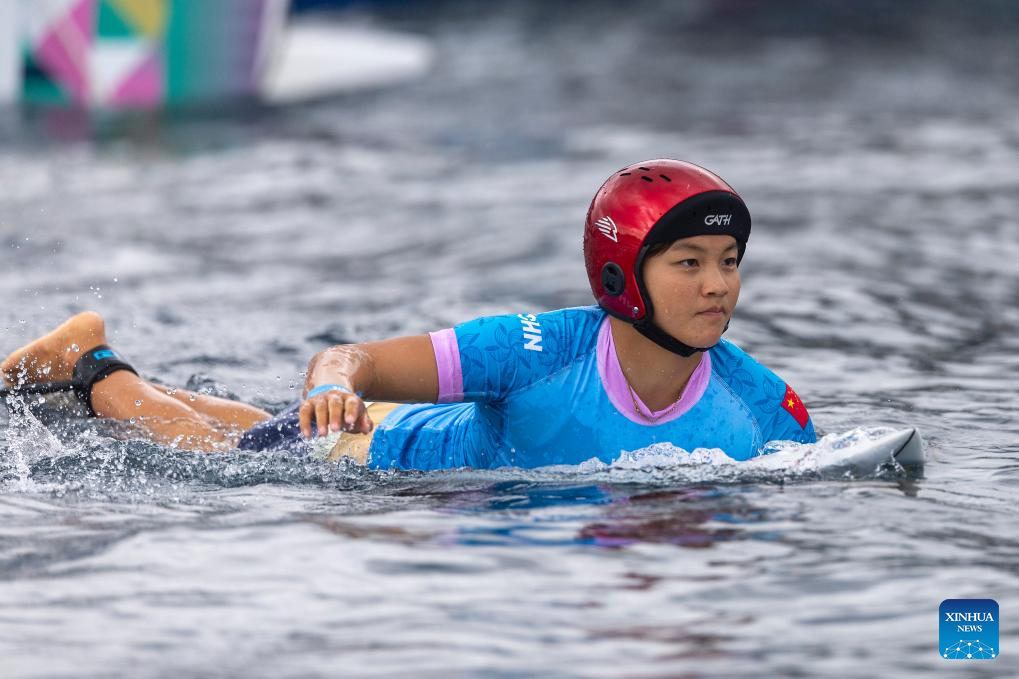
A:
{"x": 667, "y": 341}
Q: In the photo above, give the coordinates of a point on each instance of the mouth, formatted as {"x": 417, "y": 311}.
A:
{"x": 712, "y": 312}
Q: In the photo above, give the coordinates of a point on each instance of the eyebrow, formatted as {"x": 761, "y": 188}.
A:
{"x": 697, "y": 248}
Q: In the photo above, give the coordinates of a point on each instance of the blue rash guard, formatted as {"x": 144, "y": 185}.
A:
{"x": 529, "y": 391}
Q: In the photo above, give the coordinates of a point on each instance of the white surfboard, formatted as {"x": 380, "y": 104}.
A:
{"x": 317, "y": 59}
{"x": 860, "y": 458}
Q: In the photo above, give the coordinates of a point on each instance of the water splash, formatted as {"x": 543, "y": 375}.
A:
{"x": 28, "y": 440}
{"x": 99, "y": 458}
{"x": 782, "y": 461}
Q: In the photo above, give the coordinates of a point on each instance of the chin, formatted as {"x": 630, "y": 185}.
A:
{"x": 699, "y": 334}
{"x": 701, "y": 340}
{"x": 707, "y": 337}
{"x": 706, "y": 342}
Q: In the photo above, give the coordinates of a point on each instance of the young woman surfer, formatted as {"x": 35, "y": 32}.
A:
{"x": 662, "y": 243}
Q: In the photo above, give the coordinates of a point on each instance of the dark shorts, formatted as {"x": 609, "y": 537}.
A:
{"x": 280, "y": 432}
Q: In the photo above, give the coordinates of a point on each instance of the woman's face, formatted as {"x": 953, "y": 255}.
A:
{"x": 694, "y": 285}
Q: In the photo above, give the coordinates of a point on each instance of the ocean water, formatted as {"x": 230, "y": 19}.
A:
{"x": 879, "y": 155}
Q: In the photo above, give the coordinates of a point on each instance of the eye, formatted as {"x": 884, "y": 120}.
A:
{"x": 686, "y": 263}
{"x": 730, "y": 261}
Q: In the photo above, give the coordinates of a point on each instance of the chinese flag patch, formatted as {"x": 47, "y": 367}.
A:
{"x": 794, "y": 406}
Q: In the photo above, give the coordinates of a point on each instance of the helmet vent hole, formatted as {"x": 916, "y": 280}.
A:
{"x": 624, "y": 174}
{"x": 646, "y": 178}
{"x": 613, "y": 279}
{"x": 665, "y": 177}
{"x": 646, "y": 169}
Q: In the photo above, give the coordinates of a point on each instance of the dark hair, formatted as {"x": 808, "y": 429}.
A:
{"x": 657, "y": 249}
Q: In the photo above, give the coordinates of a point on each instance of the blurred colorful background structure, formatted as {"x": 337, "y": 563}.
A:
{"x": 135, "y": 53}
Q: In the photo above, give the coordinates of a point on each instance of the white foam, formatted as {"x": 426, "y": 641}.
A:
{"x": 851, "y": 451}
{"x": 28, "y": 440}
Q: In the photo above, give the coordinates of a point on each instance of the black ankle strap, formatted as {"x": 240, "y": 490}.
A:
{"x": 95, "y": 365}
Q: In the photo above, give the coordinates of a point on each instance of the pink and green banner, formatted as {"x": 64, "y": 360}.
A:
{"x": 144, "y": 53}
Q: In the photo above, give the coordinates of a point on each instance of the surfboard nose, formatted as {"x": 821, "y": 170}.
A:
{"x": 907, "y": 448}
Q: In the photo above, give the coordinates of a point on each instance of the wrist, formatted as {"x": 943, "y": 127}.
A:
{"x": 323, "y": 388}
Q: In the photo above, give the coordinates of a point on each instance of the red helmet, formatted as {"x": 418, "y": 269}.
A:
{"x": 656, "y": 201}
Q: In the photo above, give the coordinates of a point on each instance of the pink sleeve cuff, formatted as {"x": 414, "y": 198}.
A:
{"x": 447, "y": 359}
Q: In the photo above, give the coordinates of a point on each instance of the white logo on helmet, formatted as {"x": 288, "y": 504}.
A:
{"x": 608, "y": 228}
{"x": 718, "y": 220}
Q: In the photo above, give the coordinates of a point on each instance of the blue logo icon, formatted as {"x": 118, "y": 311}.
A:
{"x": 103, "y": 353}
{"x": 969, "y": 629}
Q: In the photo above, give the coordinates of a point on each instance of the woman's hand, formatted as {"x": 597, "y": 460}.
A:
{"x": 330, "y": 402}
{"x": 396, "y": 370}
{"x": 334, "y": 411}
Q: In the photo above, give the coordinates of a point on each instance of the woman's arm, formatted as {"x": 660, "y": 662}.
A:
{"x": 401, "y": 369}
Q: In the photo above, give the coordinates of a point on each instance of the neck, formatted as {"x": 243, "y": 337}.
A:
{"x": 656, "y": 375}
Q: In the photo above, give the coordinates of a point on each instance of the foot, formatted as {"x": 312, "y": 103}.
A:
{"x": 52, "y": 356}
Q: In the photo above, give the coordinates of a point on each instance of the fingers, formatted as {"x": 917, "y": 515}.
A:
{"x": 304, "y": 418}
{"x": 352, "y": 413}
{"x": 356, "y": 418}
{"x": 336, "y": 407}
{"x": 364, "y": 424}
{"x": 321, "y": 414}
{"x": 334, "y": 411}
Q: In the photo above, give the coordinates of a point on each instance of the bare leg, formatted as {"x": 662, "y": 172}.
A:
{"x": 125, "y": 396}
{"x": 239, "y": 414}
{"x": 205, "y": 424}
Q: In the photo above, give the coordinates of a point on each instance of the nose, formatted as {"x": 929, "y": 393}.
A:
{"x": 715, "y": 282}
